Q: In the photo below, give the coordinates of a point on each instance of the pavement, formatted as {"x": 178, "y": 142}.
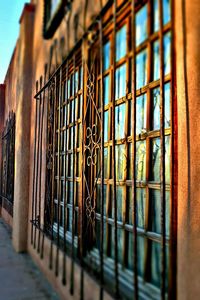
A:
{"x": 20, "y": 279}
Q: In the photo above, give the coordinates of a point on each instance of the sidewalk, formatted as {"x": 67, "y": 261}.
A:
{"x": 20, "y": 279}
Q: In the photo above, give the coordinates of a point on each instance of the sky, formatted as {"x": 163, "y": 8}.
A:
{"x": 10, "y": 12}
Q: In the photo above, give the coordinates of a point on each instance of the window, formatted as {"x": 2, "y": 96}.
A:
{"x": 8, "y": 156}
{"x": 109, "y": 148}
{"x": 54, "y": 11}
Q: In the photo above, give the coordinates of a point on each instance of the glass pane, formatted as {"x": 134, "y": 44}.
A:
{"x": 121, "y": 43}
{"x": 155, "y": 271}
{"x": 69, "y": 219}
{"x": 105, "y": 162}
{"x": 70, "y": 192}
{"x": 119, "y": 201}
{"x": 76, "y": 81}
{"x": 119, "y": 244}
{"x": 155, "y": 16}
{"x": 98, "y": 233}
{"x": 166, "y": 14}
{"x": 120, "y": 81}
{"x": 140, "y": 253}
{"x": 141, "y": 200}
{"x": 81, "y": 78}
{"x": 141, "y": 25}
{"x": 167, "y": 105}
{"x": 106, "y": 125}
{"x": 166, "y": 11}
{"x": 120, "y": 161}
{"x": 141, "y": 160}
{"x": 98, "y": 201}
{"x": 156, "y": 60}
{"x": 106, "y": 54}
{"x": 141, "y": 69}
{"x": 167, "y": 212}
{"x": 70, "y": 165}
{"x": 167, "y": 52}
{"x": 141, "y": 112}
{"x": 155, "y": 159}
{"x": 156, "y": 108}
{"x": 155, "y": 210}
{"x": 106, "y": 89}
{"x": 120, "y": 121}
{"x": 167, "y": 159}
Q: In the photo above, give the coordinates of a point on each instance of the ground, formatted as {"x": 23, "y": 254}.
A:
{"x": 20, "y": 279}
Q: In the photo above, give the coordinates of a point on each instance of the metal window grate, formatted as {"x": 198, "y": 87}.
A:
{"x": 106, "y": 119}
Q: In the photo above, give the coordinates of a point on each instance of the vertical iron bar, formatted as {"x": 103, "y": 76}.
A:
{"x": 173, "y": 168}
{"x": 113, "y": 157}
{"x": 73, "y": 183}
{"x": 134, "y": 203}
{"x": 53, "y": 97}
{"x": 162, "y": 143}
{"x": 34, "y": 162}
{"x": 37, "y": 169}
{"x": 40, "y": 165}
{"x": 102, "y": 160}
{"x": 64, "y": 278}
{"x": 44, "y": 99}
{"x": 59, "y": 95}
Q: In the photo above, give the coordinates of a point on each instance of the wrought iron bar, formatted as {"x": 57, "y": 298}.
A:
{"x": 40, "y": 164}
{"x": 134, "y": 203}
{"x": 113, "y": 156}
{"x": 102, "y": 158}
{"x": 37, "y": 168}
{"x": 58, "y": 99}
{"x": 53, "y": 96}
{"x": 162, "y": 144}
{"x": 73, "y": 175}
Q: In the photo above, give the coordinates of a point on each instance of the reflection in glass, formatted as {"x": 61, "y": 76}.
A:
{"x": 155, "y": 159}
{"x": 156, "y": 108}
{"x": 70, "y": 192}
{"x": 166, "y": 11}
{"x": 120, "y": 161}
{"x": 76, "y": 82}
{"x": 120, "y": 121}
{"x": 106, "y": 119}
{"x": 98, "y": 234}
{"x": 68, "y": 88}
{"x": 166, "y": 14}
{"x": 141, "y": 200}
{"x": 155, "y": 211}
{"x": 141, "y": 25}
{"x": 119, "y": 200}
{"x": 141, "y": 160}
{"x": 106, "y": 55}
{"x": 167, "y": 159}
{"x": 140, "y": 253}
{"x": 98, "y": 200}
{"x": 155, "y": 271}
{"x": 121, "y": 43}
{"x": 106, "y": 89}
{"x": 141, "y": 112}
{"x": 69, "y": 219}
{"x": 141, "y": 69}
{"x": 156, "y": 60}
{"x": 105, "y": 162}
{"x": 120, "y": 82}
{"x": 167, "y": 52}
{"x": 167, "y": 105}
{"x": 119, "y": 244}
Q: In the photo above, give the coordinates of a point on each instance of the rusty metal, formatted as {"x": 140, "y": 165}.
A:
{"x": 134, "y": 203}
{"x": 162, "y": 145}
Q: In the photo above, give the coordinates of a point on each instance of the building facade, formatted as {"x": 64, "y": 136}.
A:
{"x": 99, "y": 170}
